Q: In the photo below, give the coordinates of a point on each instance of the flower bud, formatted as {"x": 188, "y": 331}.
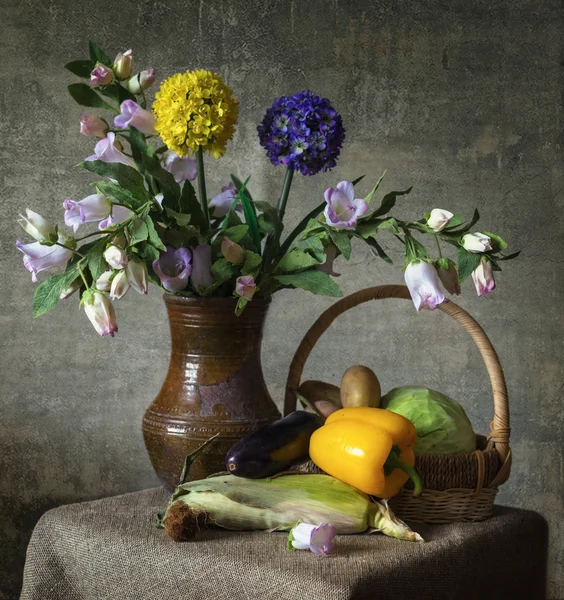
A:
{"x": 483, "y": 277}
{"x": 101, "y": 75}
{"x": 245, "y": 287}
{"x": 476, "y": 242}
{"x": 232, "y": 252}
{"x": 103, "y": 283}
{"x": 201, "y": 277}
{"x": 138, "y": 276}
{"x": 439, "y": 219}
{"x": 38, "y": 227}
{"x": 423, "y": 283}
{"x": 141, "y": 81}
{"x": 116, "y": 257}
{"x": 448, "y": 276}
{"x": 120, "y": 286}
{"x": 122, "y": 65}
{"x": 93, "y": 126}
{"x": 71, "y": 289}
{"x": 100, "y": 311}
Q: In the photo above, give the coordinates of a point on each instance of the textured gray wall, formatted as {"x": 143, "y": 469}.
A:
{"x": 462, "y": 99}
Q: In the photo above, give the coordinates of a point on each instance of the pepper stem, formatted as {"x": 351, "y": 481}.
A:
{"x": 395, "y": 462}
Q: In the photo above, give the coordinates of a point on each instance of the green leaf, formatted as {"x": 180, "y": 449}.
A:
{"x": 270, "y": 216}
{"x": 358, "y": 180}
{"x": 312, "y": 280}
{"x": 188, "y": 203}
{"x": 368, "y": 229}
{"x": 128, "y": 177}
{"x": 138, "y": 145}
{"x": 169, "y": 187}
{"x": 454, "y": 221}
{"x": 368, "y": 198}
{"x": 118, "y": 194}
{"x": 314, "y": 246}
{"x": 467, "y": 262}
{"x": 301, "y": 227}
{"x": 296, "y": 260}
{"x": 84, "y": 95}
{"x": 250, "y": 218}
{"x": 223, "y": 270}
{"x": 138, "y": 231}
{"x": 498, "y": 244}
{"x": 390, "y": 224}
{"x": 98, "y": 55}
{"x": 237, "y": 233}
{"x": 241, "y": 304}
{"x": 388, "y": 202}
{"x": 378, "y": 249}
{"x": 180, "y": 218}
{"x": 95, "y": 259}
{"x": 149, "y": 253}
{"x": 252, "y": 263}
{"x": 81, "y": 68}
{"x": 47, "y": 293}
{"x": 342, "y": 241}
{"x": 153, "y": 235}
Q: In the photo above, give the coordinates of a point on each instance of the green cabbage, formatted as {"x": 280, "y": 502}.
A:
{"x": 441, "y": 423}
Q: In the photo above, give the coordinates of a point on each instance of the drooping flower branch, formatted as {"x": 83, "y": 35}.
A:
{"x": 146, "y": 221}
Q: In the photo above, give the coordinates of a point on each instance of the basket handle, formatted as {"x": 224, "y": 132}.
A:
{"x": 498, "y": 437}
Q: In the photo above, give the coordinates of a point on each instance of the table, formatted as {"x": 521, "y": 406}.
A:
{"x": 109, "y": 549}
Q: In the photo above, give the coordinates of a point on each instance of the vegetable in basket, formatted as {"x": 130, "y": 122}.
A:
{"x": 368, "y": 448}
{"x": 360, "y": 387}
{"x": 277, "y": 504}
{"x": 441, "y": 423}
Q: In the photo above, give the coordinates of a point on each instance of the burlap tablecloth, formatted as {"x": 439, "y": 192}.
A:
{"x": 108, "y": 549}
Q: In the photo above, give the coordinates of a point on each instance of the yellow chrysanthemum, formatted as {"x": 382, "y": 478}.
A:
{"x": 195, "y": 110}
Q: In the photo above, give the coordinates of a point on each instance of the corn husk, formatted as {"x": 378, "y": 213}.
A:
{"x": 278, "y": 504}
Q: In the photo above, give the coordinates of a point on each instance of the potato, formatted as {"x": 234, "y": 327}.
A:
{"x": 360, "y": 387}
{"x": 326, "y": 397}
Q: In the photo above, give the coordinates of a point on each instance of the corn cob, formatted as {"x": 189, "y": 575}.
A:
{"x": 277, "y": 504}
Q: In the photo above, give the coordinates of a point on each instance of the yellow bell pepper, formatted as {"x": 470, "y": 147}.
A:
{"x": 368, "y": 448}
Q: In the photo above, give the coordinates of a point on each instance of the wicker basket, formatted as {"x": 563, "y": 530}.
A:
{"x": 458, "y": 487}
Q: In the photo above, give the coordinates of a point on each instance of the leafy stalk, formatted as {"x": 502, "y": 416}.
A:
{"x": 281, "y": 206}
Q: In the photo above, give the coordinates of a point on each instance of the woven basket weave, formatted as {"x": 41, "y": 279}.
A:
{"x": 457, "y": 487}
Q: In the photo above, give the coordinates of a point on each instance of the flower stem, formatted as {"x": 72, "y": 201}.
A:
{"x": 281, "y": 207}
{"x": 438, "y": 246}
{"x": 82, "y": 275}
{"x": 202, "y": 186}
{"x": 69, "y": 248}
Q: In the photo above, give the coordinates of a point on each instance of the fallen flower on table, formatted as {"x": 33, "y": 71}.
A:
{"x": 317, "y": 538}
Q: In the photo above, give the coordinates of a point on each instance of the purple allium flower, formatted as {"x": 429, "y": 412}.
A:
{"x": 173, "y": 268}
{"x": 302, "y": 131}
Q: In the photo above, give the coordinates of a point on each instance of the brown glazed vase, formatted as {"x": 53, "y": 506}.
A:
{"x": 214, "y": 385}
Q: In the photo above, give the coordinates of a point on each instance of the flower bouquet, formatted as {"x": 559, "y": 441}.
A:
{"x": 156, "y": 222}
